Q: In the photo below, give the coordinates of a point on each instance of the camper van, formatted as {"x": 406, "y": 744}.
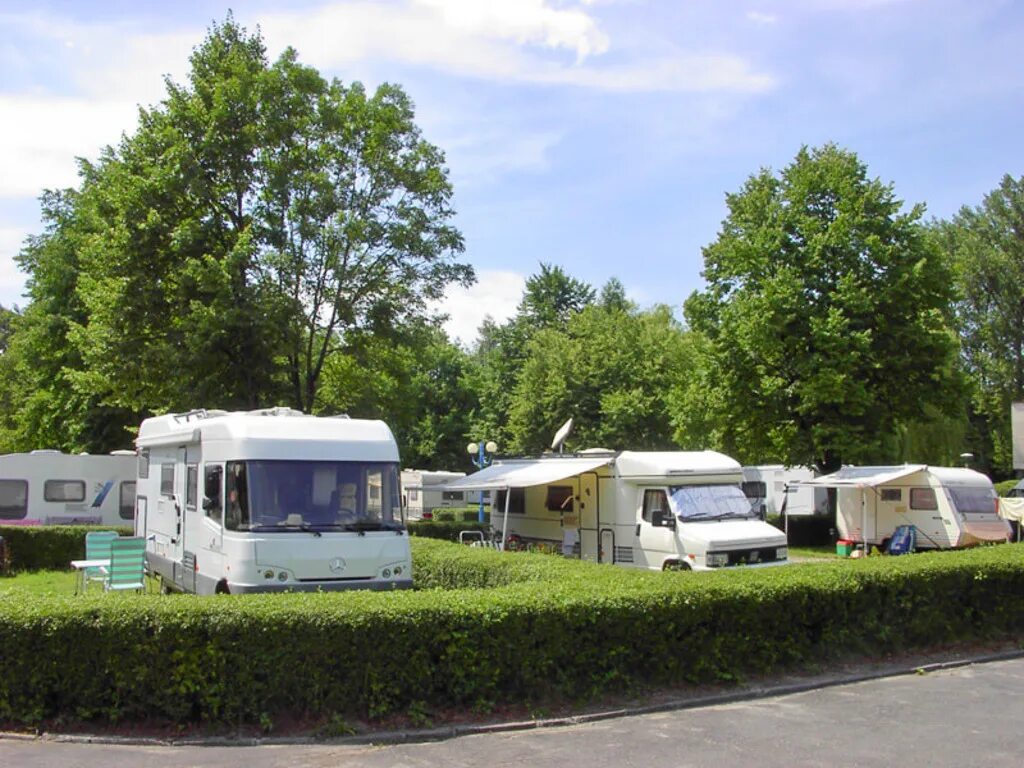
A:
{"x": 654, "y": 510}
{"x": 773, "y": 488}
{"x": 948, "y": 506}
{"x": 270, "y": 500}
{"x": 54, "y": 488}
{"x": 424, "y": 491}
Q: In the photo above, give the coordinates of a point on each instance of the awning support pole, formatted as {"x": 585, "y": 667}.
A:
{"x": 504, "y": 525}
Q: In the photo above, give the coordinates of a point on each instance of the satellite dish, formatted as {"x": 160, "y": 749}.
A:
{"x": 560, "y": 435}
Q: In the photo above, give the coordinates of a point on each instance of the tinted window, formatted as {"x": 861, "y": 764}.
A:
{"x": 126, "y": 507}
{"x": 655, "y": 501}
{"x": 452, "y": 495}
{"x": 754, "y": 489}
{"x": 64, "y": 490}
{"x": 13, "y": 499}
{"x": 212, "y": 491}
{"x": 559, "y": 498}
{"x": 144, "y": 463}
{"x": 891, "y": 494}
{"x": 516, "y": 503}
{"x": 167, "y": 479}
{"x": 191, "y": 486}
{"x": 923, "y": 498}
{"x": 973, "y": 501}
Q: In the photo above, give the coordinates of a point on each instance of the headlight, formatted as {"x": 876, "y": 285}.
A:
{"x": 782, "y": 553}
{"x": 717, "y": 559}
{"x": 386, "y": 573}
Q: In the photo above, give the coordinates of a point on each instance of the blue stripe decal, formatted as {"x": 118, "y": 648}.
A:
{"x": 98, "y": 501}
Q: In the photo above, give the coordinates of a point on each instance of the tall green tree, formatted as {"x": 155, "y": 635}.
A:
{"x": 824, "y": 313}
{"x": 986, "y": 245}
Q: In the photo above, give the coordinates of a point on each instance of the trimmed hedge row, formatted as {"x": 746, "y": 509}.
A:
{"x": 542, "y": 629}
{"x": 50, "y": 547}
{"x": 440, "y": 529}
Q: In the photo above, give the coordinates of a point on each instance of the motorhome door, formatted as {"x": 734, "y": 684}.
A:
{"x": 180, "y": 482}
{"x": 656, "y": 528}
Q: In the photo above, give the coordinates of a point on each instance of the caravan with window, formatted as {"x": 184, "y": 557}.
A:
{"x": 270, "y": 500}
{"x": 948, "y": 506}
{"x": 54, "y": 488}
{"x": 654, "y": 510}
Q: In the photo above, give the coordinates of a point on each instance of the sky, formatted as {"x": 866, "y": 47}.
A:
{"x": 601, "y": 136}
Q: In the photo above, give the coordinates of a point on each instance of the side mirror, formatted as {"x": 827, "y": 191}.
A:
{"x": 661, "y": 518}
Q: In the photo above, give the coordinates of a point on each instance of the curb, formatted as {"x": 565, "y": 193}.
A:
{"x": 454, "y": 731}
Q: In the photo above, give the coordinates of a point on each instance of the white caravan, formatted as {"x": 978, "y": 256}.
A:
{"x": 270, "y": 500}
{"x": 948, "y": 506}
{"x": 771, "y": 486}
{"x": 423, "y": 491}
{"x": 654, "y": 510}
{"x": 54, "y": 488}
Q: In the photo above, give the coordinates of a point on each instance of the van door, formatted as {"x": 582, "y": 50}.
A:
{"x": 179, "y": 485}
{"x": 656, "y": 529}
{"x": 211, "y": 514}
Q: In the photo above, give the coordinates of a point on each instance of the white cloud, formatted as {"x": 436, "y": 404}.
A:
{"x": 495, "y": 294}
{"x": 759, "y": 17}
{"x": 519, "y": 41}
{"x": 12, "y": 282}
{"x": 38, "y": 149}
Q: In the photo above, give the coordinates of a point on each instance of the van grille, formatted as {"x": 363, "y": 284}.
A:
{"x": 753, "y": 556}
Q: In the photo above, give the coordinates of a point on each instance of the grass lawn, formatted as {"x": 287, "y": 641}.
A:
{"x": 814, "y": 553}
{"x": 39, "y": 583}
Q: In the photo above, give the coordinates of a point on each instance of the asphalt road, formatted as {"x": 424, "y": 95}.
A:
{"x": 966, "y": 716}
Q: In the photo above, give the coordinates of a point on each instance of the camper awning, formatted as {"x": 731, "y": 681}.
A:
{"x": 527, "y": 473}
{"x": 863, "y": 477}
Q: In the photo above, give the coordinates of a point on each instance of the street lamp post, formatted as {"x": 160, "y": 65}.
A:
{"x": 481, "y": 460}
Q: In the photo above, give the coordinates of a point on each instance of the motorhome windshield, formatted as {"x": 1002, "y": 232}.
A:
{"x": 973, "y": 500}
{"x": 284, "y": 496}
{"x": 709, "y": 502}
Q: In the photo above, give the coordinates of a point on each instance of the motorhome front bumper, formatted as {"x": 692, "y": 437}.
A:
{"x": 327, "y": 585}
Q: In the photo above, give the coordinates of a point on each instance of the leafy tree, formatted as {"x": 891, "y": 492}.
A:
{"x": 552, "y": 296}
{"x": 824, "y": 316}
{"x": 986, "y": 245}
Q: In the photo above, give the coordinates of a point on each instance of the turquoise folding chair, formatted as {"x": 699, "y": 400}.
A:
{"x": 127, "y": 564}
{"x": 97, "y": 547}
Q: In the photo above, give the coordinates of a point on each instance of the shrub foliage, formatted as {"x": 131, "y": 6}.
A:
{"x": 484, "y": 628}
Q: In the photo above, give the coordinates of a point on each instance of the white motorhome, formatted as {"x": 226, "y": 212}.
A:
{"x": 948, "y": 506}
{"x": 424, "y": 491}
{"x": 54, "y": 488}
{"x": 270, "y": 500}
{"x": 773, "y": 487}
{"x": 654, "y": 510}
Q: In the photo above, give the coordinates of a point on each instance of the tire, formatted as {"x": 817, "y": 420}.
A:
{"x": 675, "y": 565}
{"x": 222, "y": 588}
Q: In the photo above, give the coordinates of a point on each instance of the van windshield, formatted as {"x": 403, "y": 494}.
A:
{"x": 973, "y": 501}
{"x": 283, "y": 496}
{"x": 709, "y": 502}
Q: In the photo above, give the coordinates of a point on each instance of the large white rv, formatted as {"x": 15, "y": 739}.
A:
{"x": 654, "y": 510}
{"x": 948, "y": 506}
{"x": 54, "y": 488}
{"x": 270, "y": 500}
{"x": 773, "y": 488}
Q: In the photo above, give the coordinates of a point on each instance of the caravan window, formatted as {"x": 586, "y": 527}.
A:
{"x": 894, "y": 494}
{"x": 414, "y": 495}
{"x": 559, "y": 498}
{"x": 452, "y": 495}
{"x": 923, "y": 498}
{"x": 64, "y": 490}
{"x": 13, "y": 499}
{"x": 144, "y": 463}
{"x": 973, "y": 501}
{"x": 167, "y": 479}
{"x": 282, "y": 496}
{"x": 516, "y": 503}
{"x": 126, "y": 507}
{"x": 212, "y": 491}
{"x": 192, "y": 486}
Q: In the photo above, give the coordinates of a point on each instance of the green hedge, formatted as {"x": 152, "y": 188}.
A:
{"x": 440, "y": 529}
{"x": 48, "y": 547}
{"x": 1003, "y": 487}
{"x": 542, "y": 628}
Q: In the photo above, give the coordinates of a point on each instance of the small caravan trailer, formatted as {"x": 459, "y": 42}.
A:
{"x": 54, "y": 488}
{"x": 948, "y": 506}
{"x": 270, "y": 500}
{"x": 654, "y": 510}
{"x": 771, "y": 486}
{"x": 423, "y": 491}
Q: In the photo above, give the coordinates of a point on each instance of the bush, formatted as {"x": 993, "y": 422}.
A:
{"x": 1003, "y": 487}
{"x": 540, "y": 628}
{"x": 49, "y": 547}
{"x": 464, "y": 514}
{"x": 440, "y": 529}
